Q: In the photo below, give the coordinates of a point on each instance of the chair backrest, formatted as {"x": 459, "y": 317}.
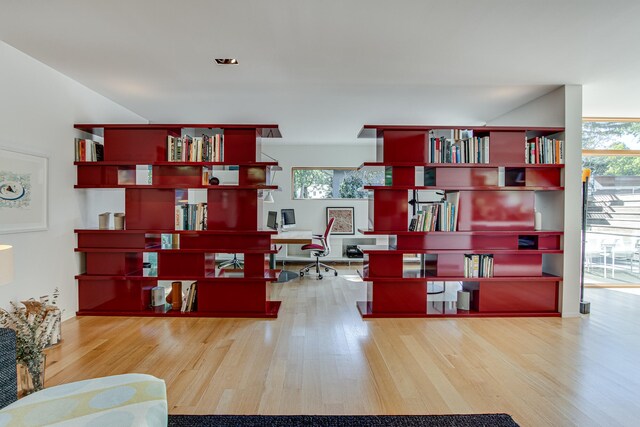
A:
{"x": 327, "y": 233}
{"x": 8, "y": 373}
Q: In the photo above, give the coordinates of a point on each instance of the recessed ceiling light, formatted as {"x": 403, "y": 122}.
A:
{"x": 226, "y": 61}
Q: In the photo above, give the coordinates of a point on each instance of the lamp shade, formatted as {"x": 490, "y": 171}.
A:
{"x": 6, "y": 264}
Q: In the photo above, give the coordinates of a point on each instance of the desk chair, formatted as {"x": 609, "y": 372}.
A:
{"x": 319, "y": 251}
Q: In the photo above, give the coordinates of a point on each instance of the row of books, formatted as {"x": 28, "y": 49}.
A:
{"x": 478, "y": 265}
{"x": 440, "y": 216}
{"x": 543, "y": 150}
{"x": 87, "y": 150}
{"x": 189, "y": 298}
{"x": 197, "y": 149}
{"x": 191, "y": 216}
{"x": 470, "y": 150}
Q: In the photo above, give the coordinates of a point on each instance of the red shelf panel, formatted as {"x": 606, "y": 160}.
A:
{"x": 366, "y": 311}
{"x": 154, "y": 249}
{"x": 462, "y": 251}
{"x": 419, "y": 276}
{"x": 454, "y": 188}
{"x": 167, "y": 163}
{"x": 264, "y": 130}
{"x": 183, "y": 232}
{"x": 269, "y": 276}
{"x": 470, "y": 233}
{"x": 270, "y": 312}
{"x": 179, "y": 186}
{"x": 373, "y": 131}
{"x": 460, "y": 165}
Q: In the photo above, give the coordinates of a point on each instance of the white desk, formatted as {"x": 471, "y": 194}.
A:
{"x": 302, "y": 237}
{"x": 292, "y": 237}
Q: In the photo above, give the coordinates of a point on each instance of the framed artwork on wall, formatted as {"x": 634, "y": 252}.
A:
{"x": 23, "y": 192}
{"x": 344, "y": 220}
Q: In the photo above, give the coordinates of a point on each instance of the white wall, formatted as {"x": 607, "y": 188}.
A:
{"x": 311, "y": 214}
{"x": 38, "y": 108}
{"x": 562, "y": 107}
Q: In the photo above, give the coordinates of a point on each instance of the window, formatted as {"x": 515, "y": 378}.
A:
{"x": 611, "y": 149}
{"x": 333, "y": 183}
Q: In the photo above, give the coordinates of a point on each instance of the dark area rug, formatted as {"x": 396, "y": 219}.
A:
{"x": 488, "y": 420}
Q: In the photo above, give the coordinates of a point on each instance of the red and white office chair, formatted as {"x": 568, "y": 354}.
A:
{"x": 319, "y": 251}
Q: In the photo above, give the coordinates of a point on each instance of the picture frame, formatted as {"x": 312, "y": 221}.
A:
{"x": 344, "y": 220}
{"x": 23, "y": 191}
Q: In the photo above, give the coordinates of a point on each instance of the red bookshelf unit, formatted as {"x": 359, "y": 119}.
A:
{"x": 491, "y": 248}
{"x": 123, "y": 265}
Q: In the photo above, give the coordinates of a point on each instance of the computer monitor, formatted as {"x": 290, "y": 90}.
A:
{"x": 272, "y": 219}
{"x": 288, "y": 218}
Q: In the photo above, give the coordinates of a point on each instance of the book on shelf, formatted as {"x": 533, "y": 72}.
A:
{"x": 543, "y": 150}
{"x": 189, "y": 298}
{"x": 87, "y": 150}
{"x": 191, "y": 216}
{"x": 195, "y": 149}
{"x": 478, "y": 265}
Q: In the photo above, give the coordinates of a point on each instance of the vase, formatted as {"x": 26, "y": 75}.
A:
{"x": 31, "y": 375}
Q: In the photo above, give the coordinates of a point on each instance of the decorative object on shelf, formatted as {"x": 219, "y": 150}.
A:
{"x": 37, "y": 326}
{"x": 175, "y": 296}
{"x": 344, "y": 220}
{"x": 23, "y": 192}
{"x": 103, "y": 220}
{"x": 157, "y": 296}
{"x": 6, "y": 264}
{"x": 537, "y": 221}
{"x": 214, "y": 181}
{"x": 463, "y": 302}
{"x": 118, "y": 221}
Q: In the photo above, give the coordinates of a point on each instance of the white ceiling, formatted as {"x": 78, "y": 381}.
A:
{"x": 321, "y": 69}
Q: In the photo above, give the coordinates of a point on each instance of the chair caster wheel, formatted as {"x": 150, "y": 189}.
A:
{"x": 301, "y": 274}
{"x": 326, "y": 269}
{"x": 335, "y": 273}
{"x": 319, "y": 276}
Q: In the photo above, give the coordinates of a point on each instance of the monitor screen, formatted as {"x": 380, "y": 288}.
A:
{"x": 271, "y": 220}
{"x": 288, "y": 217}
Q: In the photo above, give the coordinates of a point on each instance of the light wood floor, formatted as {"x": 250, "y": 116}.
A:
{"x": 319, "y": 357}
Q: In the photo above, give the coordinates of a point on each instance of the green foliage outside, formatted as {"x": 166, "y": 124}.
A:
{"x": 611, "y": 136}
{"x": 351, "y": 186}
{"x": 312, "y": 183}
{"x": 318, "y": 184}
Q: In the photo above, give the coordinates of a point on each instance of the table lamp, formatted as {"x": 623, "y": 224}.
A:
{"x": 6, "y": 264}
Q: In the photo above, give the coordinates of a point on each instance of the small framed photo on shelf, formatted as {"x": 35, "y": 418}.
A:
{"x": 344, "y": 220}
{"x": 23, "y": 192}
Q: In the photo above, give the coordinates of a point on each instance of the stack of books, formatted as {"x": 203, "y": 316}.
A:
{"x": 478, "y": 265}
{"x": 468, "y": 150}
{"x": 88, "y": 150}
{"x": 441, "y": 216}
{"x": 543, "y": 150}
{"x": 191, "y": 217}
{"x": 197, "y": 149}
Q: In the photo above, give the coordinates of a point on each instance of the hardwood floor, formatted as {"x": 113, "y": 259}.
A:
{"x": 319, "y": 357}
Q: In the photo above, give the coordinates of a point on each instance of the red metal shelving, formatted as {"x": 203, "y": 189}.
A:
{"x": 114, "y": 282}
